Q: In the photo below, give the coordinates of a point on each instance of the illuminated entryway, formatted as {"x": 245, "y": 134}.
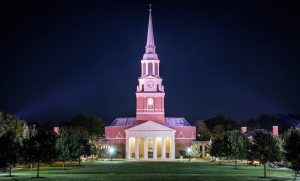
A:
{"x": 150, "y": 140}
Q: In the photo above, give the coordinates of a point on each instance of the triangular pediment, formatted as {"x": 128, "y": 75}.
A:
{"x": 150, "y": 77}
{"x": 150, "y": 126}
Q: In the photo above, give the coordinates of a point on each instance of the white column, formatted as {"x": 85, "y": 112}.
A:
{"x": 172, "y": 148}
{"x": 163, "y": 155}
{"x": 145, "y": 148}
{"x": 136, "y": 148}
{"x": 127, "y": 148}
{"x": 154, "y": 148}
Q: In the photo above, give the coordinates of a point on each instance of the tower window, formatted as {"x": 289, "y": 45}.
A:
{"x": 150, "y": 104}
{"x": 144, "y": 69}
{"x": 150, "y": 69}
{"x": 156, "y": 69}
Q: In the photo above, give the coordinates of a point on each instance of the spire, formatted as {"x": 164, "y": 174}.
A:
{"x": 150, "y": 46}
{"x": 150, "y": 36}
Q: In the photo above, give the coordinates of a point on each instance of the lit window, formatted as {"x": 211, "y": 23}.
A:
{"x": 150, "y": 103}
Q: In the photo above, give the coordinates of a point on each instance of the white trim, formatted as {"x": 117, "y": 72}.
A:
{"x": 172, "y": 144}
{"x": 154, "y": 148}
{"x": 150, "y": 127}
{"x": 164, "y": 145}
{"x": 141, "y": 110}
{"x": 150, "y": 112}
{"x": 136, "y": 155}
{"x": 150, "y": 94}
{"x": 150, "y": 61}
{"x": 127, "y": 148}
{"x": 145, "y": 147}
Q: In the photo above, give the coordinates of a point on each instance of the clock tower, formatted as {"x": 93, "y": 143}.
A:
{"x": 150, "y": 91}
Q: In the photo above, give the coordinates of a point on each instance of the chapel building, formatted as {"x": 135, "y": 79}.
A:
{"x": 151, "y": 135}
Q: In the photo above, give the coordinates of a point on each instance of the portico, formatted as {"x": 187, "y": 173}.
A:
{"x": 150, "y": 141}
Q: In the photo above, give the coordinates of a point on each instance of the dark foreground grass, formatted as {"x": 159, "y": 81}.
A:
{"x": 151, "y": 171}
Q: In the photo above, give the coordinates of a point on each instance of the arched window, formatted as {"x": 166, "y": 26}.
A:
{"x": 181, "y": 135}
{"x": 156, "y": 69}
{"x": 119, "y": 135}
{"x": 150, "y": 69}
{"x": 150, "y": 104}
{"x": 144, "y": 69}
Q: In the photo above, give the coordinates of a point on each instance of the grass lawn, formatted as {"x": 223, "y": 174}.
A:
{"x": 156, "y": 171}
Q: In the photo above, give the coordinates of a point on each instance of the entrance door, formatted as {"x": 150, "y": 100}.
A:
{"x": 150, "y": 147}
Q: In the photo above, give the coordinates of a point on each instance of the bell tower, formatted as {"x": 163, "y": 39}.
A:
{"x": 150, "y": 92}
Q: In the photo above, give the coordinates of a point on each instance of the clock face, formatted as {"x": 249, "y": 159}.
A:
{"x": 150, "y": 84}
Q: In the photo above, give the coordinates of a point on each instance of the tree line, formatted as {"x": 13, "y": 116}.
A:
{"x": 32, "y": 145}
{"x": 262, "y": 146}
{"x": 217, "y": 126}
{"x": 40, "y": 145}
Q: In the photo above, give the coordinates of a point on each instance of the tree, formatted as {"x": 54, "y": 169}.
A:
{"x": 249, "y": 154}
{"x": 265, "y": 121}
{"x": 43, "y": 150}
{"x": 192, "y": 152}
{"x": 218, "y": 130}
{"x": 236, "y": 145}
{"x": 219, "y": 124}
{"x": 70, "y": 147}
{"x": 9, "y": 122}
{"x": 26, "y": 150}
{"x": 96, "y": 151}
{"x": 75, "y": 150}
{"x": 291, "y": 148}
{"x": 85, "y": 149}
{"x": 265, "y": 148}
{"x": 63, "y": 142}
{"x": 86, "y": 126}
{"x": 202, "y": 131}
{"x": 218, "y": 149}
{"x": 8, "y": 151}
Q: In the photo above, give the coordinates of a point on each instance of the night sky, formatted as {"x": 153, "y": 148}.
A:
{"x": 239, "y": 58}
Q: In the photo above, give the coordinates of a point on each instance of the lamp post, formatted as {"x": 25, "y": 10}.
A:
{"x": 189, "y": 150}
{"x": 111, "y": 151}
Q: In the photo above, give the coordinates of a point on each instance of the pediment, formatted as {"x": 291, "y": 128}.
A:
{"x": 150, "y": 77}
{"x": 149, "y": 126}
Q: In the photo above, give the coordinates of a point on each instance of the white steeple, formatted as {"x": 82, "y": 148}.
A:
{"x": 150, "y": 46}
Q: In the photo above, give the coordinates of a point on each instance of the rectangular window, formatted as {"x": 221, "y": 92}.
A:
{"x": 156, "y": 69}
{"x": 150, "y": 69}
{"x": 150, "y": 103}
{"x": 144, "y": 69}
